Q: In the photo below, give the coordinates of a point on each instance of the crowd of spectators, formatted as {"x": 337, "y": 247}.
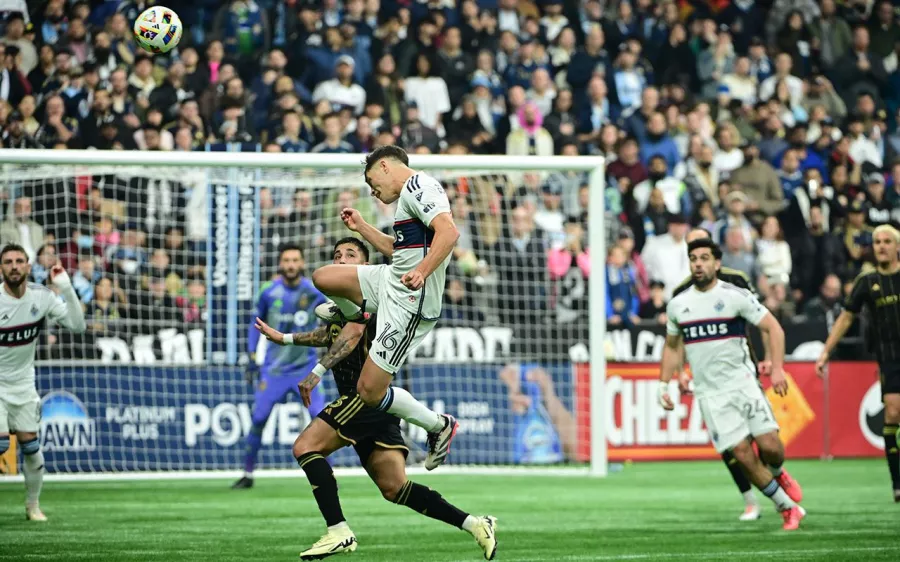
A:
{"x": 771, "y": 123}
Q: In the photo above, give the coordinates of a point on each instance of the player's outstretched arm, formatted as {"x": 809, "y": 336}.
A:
{"x": 672, "y": 362}
{"x": 316, "y": 338}
{"x": 382, "y": 242}
{"x": 445, "y": 237}
{"x": 841, "y": 325}
{"x": 69, "y": 315}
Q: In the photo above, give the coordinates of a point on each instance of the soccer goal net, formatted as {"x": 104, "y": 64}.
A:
{"x": 168, "y": 253}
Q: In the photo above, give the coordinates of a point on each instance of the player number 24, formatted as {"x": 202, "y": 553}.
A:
{"x": 751, "y": 410}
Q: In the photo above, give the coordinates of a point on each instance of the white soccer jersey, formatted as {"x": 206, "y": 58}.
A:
{"x": 20, "y": 325}
{"x": 421, "y": 199}
{"x": 714, "y": 327}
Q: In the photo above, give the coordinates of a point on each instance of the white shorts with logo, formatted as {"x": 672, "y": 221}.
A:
{"x": 24, "y": 416}
{"x": 399, "y": 330}
{"x": 734, "y": 415}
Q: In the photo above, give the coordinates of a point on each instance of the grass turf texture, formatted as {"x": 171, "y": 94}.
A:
{"x": 668, "y": 511}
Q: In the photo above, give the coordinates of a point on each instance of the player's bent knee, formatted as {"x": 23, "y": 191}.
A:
{"x": 892, "y": 408}
{"x": 371, "y": 394}
{"x": 302, "y": 446}
{"x": 4, "y": 444}
{"x": 390, "y": 488}
{"x": 31, "y": 447}
{"x": 744, "y": 454}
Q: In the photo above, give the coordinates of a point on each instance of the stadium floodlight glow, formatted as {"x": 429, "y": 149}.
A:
{"x": 164, "y": 393}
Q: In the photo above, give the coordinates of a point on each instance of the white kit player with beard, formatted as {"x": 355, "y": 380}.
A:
{"x": 23, "y": 308}
{"x": 708, "y": 322}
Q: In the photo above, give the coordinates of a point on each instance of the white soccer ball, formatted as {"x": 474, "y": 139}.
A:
{"x": 158, "y": 29}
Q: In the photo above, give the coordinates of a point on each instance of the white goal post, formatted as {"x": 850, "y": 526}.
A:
{"x": 123, "y": 426}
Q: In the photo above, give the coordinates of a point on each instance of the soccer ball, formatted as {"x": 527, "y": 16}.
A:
{"x": 158, "y": 29}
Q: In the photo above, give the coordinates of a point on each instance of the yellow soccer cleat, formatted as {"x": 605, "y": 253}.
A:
{"x": 485, "y": 533}
{"x": 333, "y": 542}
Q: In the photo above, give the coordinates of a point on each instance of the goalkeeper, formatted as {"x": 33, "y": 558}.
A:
{"x": 288, "y": 302}
{"x": 374, "y": 434}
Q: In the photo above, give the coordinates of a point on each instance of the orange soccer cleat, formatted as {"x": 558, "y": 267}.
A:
{"x": 792, "y": 518}
{"x": 790, "y": 486}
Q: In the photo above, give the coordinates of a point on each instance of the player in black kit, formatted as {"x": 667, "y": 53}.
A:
{"x": 751, "y": 504}
{"x": 375, "y": 435}
{"x": 879, "y": 291}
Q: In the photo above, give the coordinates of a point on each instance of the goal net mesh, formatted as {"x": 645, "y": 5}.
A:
{"x": 168, "y": 263}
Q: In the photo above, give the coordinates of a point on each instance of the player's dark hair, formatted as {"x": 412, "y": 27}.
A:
{"x": 12, "y": 248}
{"x": 353, "y": 242}
{"x": 287, "y": 247}
{"x": 390, "y": 151}
{"x": 706, "y": 243}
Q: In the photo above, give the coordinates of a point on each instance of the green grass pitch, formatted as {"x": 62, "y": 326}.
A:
{"x": 666, "y": 511}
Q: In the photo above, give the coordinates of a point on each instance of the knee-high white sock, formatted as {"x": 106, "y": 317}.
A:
{"x": 778, "y": 496}
{"x": 403, "y": 405}
{"x": 348, "y": 308}
{"x": 33, "y": 471}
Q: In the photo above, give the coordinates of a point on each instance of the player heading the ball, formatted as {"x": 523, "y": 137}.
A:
{"x": 406, "y": 294}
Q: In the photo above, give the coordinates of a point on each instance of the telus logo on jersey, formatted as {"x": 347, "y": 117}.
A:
{"x": 66, "y": 424}
{"x": 713, "y": 329}
{"x": 20, "y": 335}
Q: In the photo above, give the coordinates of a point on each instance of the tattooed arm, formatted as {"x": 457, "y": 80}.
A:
{"x": 343, "y": 344}
{"x": 316, "y": 338}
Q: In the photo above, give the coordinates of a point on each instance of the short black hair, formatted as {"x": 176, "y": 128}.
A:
{"x": 390, "y": 151}
{"x": 287, "y": 247}
{"x": 13, "y": 248}
{"x": 706, "y": 243}
{"x": 354, "y": 242}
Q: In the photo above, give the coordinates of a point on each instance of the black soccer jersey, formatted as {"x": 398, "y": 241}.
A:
{"x": 346, "y": 373}
{"x": 881, "y": 294}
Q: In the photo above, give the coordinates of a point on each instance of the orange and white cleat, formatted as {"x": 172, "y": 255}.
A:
{"x": 792, "y": 518}
{"x": 790, "y": 486}
{"x": 751, "y": 512}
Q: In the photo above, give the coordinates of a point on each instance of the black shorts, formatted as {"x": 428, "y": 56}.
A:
{"x": 890, "y": 378}
{"x": 363, "y": 427}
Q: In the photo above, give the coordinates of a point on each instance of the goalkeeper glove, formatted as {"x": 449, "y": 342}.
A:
{"x": 251, "y": 371}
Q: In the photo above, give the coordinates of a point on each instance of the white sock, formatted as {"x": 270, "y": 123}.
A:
{"x": 778, "y": 496}
{"x": 469, "y": 524}
{"x": 34, "y": 477}
{"x": 750, "y": 498}
{"x": 248, "y": 475}
{"x": 339, "y": 526}
{"x": 776, "y": 472}
{"x": 348, "y": 308}
{"x": 403, "y": 405}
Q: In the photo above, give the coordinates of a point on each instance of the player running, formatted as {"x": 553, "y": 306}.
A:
{"x": 406, "y": 294}
{"x": 879, "y": 291}
{"x": 708, "y": 323}
{"x": 751, "y": 505}
{"x": 287, "y": 302}
{"x": 23, "y": 307}
{"x": 373, "y": 433}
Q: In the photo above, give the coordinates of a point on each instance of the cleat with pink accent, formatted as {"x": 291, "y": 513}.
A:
{"x": 751, "y": 513}
{"x": 790, "y": 486}
{"x": 792, "y": 518}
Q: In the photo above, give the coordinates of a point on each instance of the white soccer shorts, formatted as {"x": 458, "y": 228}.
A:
{"x": 24, "y": 417}
{"x": 399, "y": 331}
{"x": 734, "y": 415}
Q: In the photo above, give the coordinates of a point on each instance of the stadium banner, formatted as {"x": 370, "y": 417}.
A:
{"x": 127, "y": 418}
{"x": 856, "y": 411}
{"x": 639, "y": 429}
{"x": 508, "y": 413}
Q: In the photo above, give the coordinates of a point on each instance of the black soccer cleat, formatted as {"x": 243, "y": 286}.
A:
{"x": 243, "y": 483}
